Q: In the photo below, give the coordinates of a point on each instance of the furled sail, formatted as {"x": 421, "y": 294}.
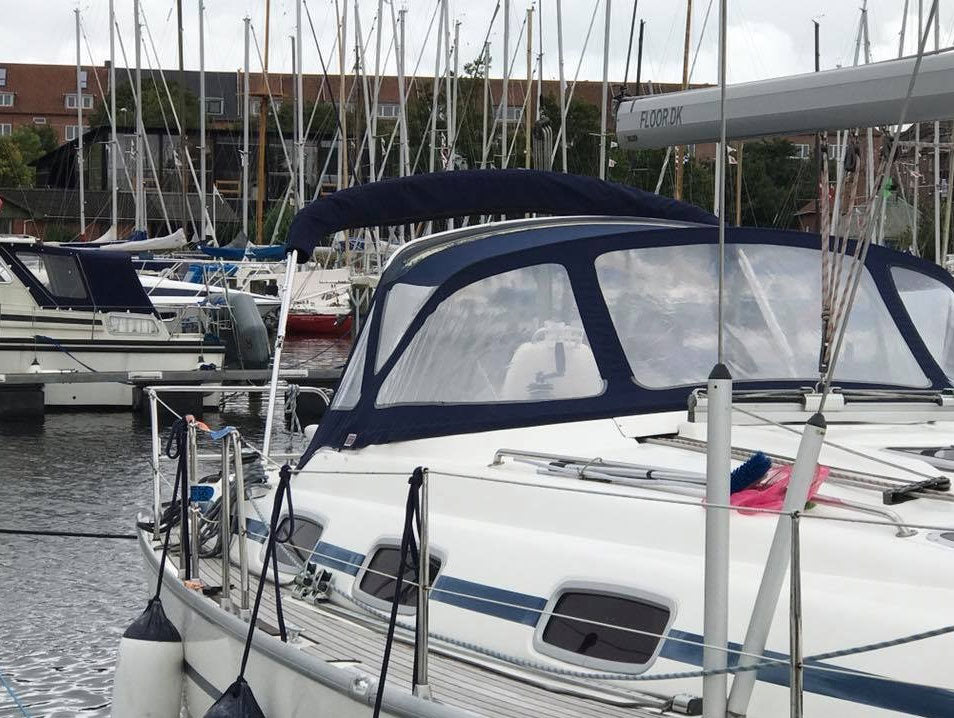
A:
{"x": 861, "y": 96}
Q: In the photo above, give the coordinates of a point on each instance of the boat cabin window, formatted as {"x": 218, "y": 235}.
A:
{"x": 930, "y": 304}
{"x": 5, "y": 276}
{"x": 60, "y": 274}
{"x": 663, "y": 303}
{"x": 349, "y": 391}
{"x": 376, "y": 579}
{"x": 300, "y": 545}
{"x": 603, "y": 629}
{"x": 515, "y": 336}
{"x": 403, "y": 303}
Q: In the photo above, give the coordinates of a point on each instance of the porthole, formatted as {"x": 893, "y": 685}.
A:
{"x": 376, "y": 581}
{"x": 604, "y": 627}
{"x": 300, "y": 547}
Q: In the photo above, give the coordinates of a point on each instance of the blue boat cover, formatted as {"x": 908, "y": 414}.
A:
{"x": 442, "y": 195}
{"x": 457, "y": 264}
{"x": 267, "y": 252}
{"x": 77, "y": 279}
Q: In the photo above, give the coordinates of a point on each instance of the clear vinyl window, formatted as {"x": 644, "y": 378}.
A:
{"x": 930, "y": 304}
{"x": 515, "y": 336}
{"x": 59, "y": 273}
{"x": 663, "y": 303}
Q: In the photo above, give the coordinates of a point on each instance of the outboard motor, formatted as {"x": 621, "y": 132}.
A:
{"x": 148, "y": 680}
{"x": 249, "y": 335}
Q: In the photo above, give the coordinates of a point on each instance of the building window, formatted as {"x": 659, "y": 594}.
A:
{"x": 39, "y": 120}
{"x": 71, "y": 132}
{"x": 5, "y": 128}
{"x": 388, "y": 110}
{"x": 71, "y": 102}
{"x": 83, "y": 79}
{"x": 3, "y": 77}
{"x": 513, "y": 112}
{"x": 604, "y": 628}
{"x": 376, "y": 580}
{"x": 6, "y": 99}
{"x": 801, "y": 152}
{"x": 214, "y": 106}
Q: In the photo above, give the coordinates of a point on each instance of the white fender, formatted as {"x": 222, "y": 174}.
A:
{"x": 148, "y": 679}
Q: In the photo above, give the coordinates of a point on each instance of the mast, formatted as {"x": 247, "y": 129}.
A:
{"x": 677, "y": 190}
{"x": 604, "y": 110}
{"x": 403, "y": 155}
{"x": 373, "y": 132}
{"x": 528, "y": 112}
{"x": 452, "y": 112}
{"x": 342, "y": 111}
{"x": 505, "y": 91}
{"x": 202, "y": 209}
{"x": 718, "y": 466}
{"x": 113, "y": 141}
{"x": 300, "y": 108}
{"x": 639, "y": 58}
{"x": 245, "y": 110}
{"x": 937, "y": 158}
{"x": 183, "y": 131}
{"x": 539, "y": 59}
{"x": 261, "y": 189}
{"x": 486, "y": 69}
{"x": 141, "y": 219}
{"x": 79, "y": 133}
{"x": 818, "y": 157}
{"x": 435, "y": 91}
{"x": 562, "y": 82}
{"x": 917, "y": 151}
{"x": 738, "y": 185}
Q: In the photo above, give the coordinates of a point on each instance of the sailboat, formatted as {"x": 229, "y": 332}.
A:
{"x": 503, "y": 511}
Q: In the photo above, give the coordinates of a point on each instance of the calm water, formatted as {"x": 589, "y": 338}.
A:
{"x": 64, "y": 602}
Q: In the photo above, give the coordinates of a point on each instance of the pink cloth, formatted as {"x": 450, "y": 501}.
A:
{"x": 769, "y": 493}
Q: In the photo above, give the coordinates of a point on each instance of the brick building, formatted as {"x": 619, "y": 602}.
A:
{"x": 46, "y": 95}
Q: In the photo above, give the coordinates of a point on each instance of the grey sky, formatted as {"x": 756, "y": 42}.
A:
{"x": 767, "y": 38}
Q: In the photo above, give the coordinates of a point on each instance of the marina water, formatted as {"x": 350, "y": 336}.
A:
{"x": 64, "y": 602}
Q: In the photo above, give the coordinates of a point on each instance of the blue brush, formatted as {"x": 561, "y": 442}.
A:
{"x": 754, "y": 469}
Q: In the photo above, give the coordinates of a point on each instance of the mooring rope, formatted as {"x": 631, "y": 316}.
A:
{"x": 16, "y": 699}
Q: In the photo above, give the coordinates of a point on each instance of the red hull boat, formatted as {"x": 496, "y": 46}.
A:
{"x": 323, "y": 325}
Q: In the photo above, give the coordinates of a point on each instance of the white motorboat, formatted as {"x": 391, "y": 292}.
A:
{"x": 169, "y": 294}
{"x": 541, "y": 382}
{"x": 65, "y": 310}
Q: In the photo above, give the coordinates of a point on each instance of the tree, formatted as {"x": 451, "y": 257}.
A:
{"x": 582, "y": 135}
{"x": 156, "y": 110}
{"x": 14, "y": 171}
{"x": 20, "y": 150}
{"x": 775, "y": 184}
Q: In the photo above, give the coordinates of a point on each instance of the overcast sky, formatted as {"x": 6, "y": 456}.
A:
{"x": 766, "y": 38}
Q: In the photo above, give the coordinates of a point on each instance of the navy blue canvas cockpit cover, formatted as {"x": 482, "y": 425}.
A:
{"x": 108, "y": 279}
{"x": 442, "y": 195}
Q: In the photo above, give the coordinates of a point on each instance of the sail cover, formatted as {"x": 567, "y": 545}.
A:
{"x": 442, "y": 195}
{"x": 862, "y": 96}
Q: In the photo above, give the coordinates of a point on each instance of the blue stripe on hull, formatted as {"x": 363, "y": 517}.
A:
{"x": 845, "y": 684}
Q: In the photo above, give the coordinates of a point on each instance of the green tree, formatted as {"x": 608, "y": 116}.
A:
{"x": 582, "y": 136}
{"x": 155, "y": 106}
{"x": 14, "y": 171}
{"x": 774, "y": 184}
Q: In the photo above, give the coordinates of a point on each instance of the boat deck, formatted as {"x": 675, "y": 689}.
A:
{"x": 466, "y": 681}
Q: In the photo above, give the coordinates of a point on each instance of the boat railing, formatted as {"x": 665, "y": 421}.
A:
{"x": 420, "y": 630}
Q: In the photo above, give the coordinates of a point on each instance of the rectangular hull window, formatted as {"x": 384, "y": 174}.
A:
{"x": 377, "y": 579}
{"x": 605, "y": 630}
